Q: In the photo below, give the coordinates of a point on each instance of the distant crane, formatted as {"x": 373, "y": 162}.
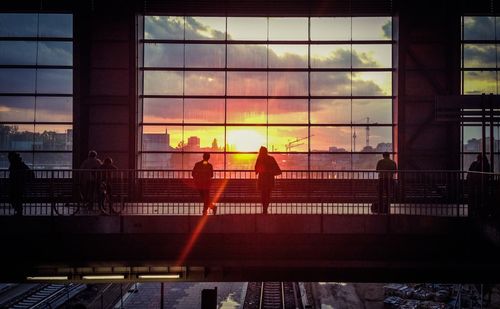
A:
{"x": 295, "y": 143}
{"x": 367, "y": 133}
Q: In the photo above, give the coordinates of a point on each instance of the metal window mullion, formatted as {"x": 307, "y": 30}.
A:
{"x": 225, "y": 102}
{"x": 309, "y": 94}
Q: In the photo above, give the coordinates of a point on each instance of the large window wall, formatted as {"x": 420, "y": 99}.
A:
{"x": 480, "y": 74}
{"x": 36, "y": 89}
{"x": 317, "y": 92}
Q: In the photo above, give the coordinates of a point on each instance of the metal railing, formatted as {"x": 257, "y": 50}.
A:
{"x": 173, "y": 192}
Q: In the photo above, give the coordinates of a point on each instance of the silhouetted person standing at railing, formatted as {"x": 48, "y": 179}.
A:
{"x": 386, "y": 168}
{"x": 266, "y": 168}
{"x": 478, "y": 184}
{"x": 107, "y": 173}
{"x": 202, "y": 173}
{"x": 88, "y": 178}
{"x": 19, "y": 175}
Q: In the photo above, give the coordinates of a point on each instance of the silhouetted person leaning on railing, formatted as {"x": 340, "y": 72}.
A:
{"x": 478, "y": 186}
{"x": 203, "y": 173}
{"x": 19, "y": 176}
{"x": 266, "y": 168}
{"x": 88, "y": 181}
{"x": 386, "y": 168}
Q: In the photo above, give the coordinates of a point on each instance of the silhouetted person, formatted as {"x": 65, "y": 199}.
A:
{"x": 88, "y": 177}
{"x": 386, "y": 168}
{"x": 478, "y": 184}
{"x": 19, "y": 176}
{"x": 266, "y": 168}
{"x": 203, "y": 173}
{"x": 107, "y": 173}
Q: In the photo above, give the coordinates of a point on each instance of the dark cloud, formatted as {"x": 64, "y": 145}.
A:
{"x": 479, "y": 28}
{"x": 480, "y": 55}
{"x": 255, "y": 83}
{"x": 387, "y": 28}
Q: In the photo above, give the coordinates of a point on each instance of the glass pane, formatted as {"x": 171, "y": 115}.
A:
{"x": 380, "y": 139}
{"x": 330, "y": 28}
{"x": 53, "y": 137}
{"x": 289, "y": 139}
{"x": 247, "y": 111}
{"x": 293, "y": 161}
{"x": 328, "y": 162}
{"x": 288, "y": 56}
{"x": 209, "y": 139}
{"x": 247, "y": 28}
{"x": 365, "y": 161}
{"x": 479, "y": 56}
{"x": 56, "y": 160}
{"x": 478, "y": 82}
{"x": 371, "y": 28}
{"x": 205, "y": 28}
{"x": 371, "y": 56}
{"x": 473, "y": 140}
{"x": 190, "y": 159}
{"x": 372, "y": 83}
{"x": 164, "y": 55}
{"x": 205, "y": 55}
{"x": 287, "y": 111}
{"x": 54, "y": 109}
{"x": 56, "y": 25}
{"x": 245, "y": 139}
{"x": 247, "y": 83}
{"x": 241, "y": 161}
{"x": 161, "y": 161}
{"x": 16, "y": 137}
{"x": 204, "y": 110}
{"x": 57, "y": 81}
{"x": 289, "y": 28}
{"x": 158, "y": 110}
{"x": 27, "y": 158}
{"x": 246, "y": 56}
{"x": 288, "y": 83}
{"x": 330, "y": 83}
{"x": 330, "y": 56}
{"x": 330, "y": 111}
{"x": 17, "y": 52}
{"x": 17, "y": 109}
{"x": 163, "y": 82}
{"x": 164, "y": 27}
{"x": 479, "y": 28}
{"x": 162, "y": 138}
{"x": 204, "y": 83}
{"x": 55, "y": 53}
{"x": 372, "y": 111}
{"x": 332, "y": 139}
{"x": 20, "y": 25}
{"x": 17, "y": 80}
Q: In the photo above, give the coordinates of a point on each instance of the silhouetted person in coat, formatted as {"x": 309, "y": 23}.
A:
{"x": 266, "y": 168}
{"x": 88, "y": 177}
{"x": 478, "y": 185}
{"x": 386, "y": 168}
{"x": 107, "y": 173}
{"x": 19, "y": 175}
{"x": 203, "y": 173}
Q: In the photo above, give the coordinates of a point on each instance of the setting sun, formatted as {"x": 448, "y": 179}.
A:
{"x": 245, "y": 140}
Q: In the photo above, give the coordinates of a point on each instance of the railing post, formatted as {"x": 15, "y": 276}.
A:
{"x": 51, "y": 193}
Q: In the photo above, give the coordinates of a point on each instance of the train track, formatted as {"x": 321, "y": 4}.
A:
{"x": 43, "y": 296}
{"x": 272, "y": 295}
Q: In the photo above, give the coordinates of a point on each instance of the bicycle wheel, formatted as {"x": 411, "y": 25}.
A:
{"x": 66, "y": 208}
{"x": 117, "y": 206}
{"x": 104, "y": 202}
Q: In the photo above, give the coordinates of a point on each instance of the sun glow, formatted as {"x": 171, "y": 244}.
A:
{"x": 245, "y": 140}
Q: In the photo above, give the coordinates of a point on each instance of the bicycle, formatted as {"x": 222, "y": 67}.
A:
{"x": 105, "y": 200}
